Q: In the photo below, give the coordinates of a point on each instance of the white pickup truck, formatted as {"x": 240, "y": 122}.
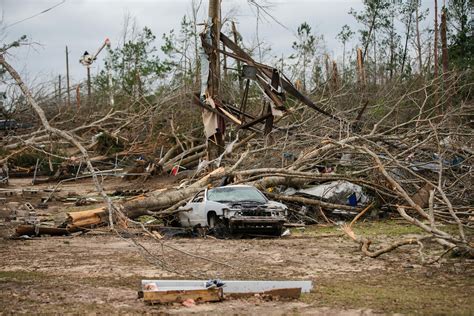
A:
{"x": 234, "y": 208}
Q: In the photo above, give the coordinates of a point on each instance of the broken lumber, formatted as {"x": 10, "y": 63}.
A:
{"x": 290, "y": 293}
{"x": 178, "y": 296}
{"x": 86, "y": 219}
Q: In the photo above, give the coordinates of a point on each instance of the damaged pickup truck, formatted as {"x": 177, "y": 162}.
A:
{"x": 234, "y": 208}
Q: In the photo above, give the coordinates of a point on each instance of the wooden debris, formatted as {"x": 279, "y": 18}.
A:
{"x": 290, "y": 293}
{"x": 179, "y": 296}
{"x": 86, "y": 219}
{"x": 33, "y": 230}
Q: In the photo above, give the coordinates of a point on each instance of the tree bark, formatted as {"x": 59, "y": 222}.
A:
{"x": 239, "y": 67}
{"x": 418, "y": 42}
{"x": 160, "y": 199}
{"x": 435, "y": 53}
{"x": 444, "y": 53}
{"x": 406, "y": 45}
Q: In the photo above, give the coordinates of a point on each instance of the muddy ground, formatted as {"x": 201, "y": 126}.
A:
{"x": 99, "y": 273}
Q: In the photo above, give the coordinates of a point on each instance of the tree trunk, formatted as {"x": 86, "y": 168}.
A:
{"x": 214, "y": 17}
{"x": 392, "y": 49}
{"x": 216, "y": 141}
{"x": 360, "y": 67}
{"x": 343, "y": 62}
{"x": 196, "y": 39}
{"x": 369, "y": 34}
{"x": 335, "y": 76}
{"x": 418, "y": 42}
{"x": 444, "y": 44}
{"x": 375, "y": 59}
{"x": 444, "y": 54}
{"x": 160, "y": 199}
{"x": 67, "y": 78}
{"x": 435, "y": 53}
{"x": 406, "y": 44}
{"x": 239, "y": 67}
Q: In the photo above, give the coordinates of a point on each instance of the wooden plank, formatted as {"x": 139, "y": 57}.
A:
{"x": 31, "y": 230}
{"x": 172, "y": 296}
{"x": 229, "y": 115}
{"x": 86, "y": 219}
{"x": 291, "y": 293}
{"x": 76, "y": 216}
{"x": 255, "y": 121}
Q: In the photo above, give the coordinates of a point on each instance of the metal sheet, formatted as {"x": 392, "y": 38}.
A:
{"x": 233, "y": 286}
{"x": 249, "y": 72}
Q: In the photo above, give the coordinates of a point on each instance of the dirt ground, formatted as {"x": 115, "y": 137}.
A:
{"x": 100, "y": 273}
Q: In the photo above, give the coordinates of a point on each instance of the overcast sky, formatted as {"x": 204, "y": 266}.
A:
{"x": 84, "y": 24}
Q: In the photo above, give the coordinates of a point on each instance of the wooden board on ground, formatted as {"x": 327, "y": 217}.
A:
{"x": 172, "y": 296}
{"x": 86, "y": 219}
{"x": 293, "y": 293}
{"x": 32, "y": 230}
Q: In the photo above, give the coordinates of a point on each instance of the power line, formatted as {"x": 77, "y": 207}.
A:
{"x": 33, "y": 16}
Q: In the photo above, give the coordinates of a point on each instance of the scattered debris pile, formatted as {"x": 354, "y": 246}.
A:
{"x": 195, "y": 291}
{"x": 410, "y": 156}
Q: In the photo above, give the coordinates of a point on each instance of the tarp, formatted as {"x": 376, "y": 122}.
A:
{"x": 340, "y": 192}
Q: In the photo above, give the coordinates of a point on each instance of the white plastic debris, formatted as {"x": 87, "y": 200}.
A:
{"x": 340, "y": 192}
{"x": 286, "y": 233}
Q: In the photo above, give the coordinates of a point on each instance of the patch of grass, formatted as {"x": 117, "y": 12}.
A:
{"x": 131, "y": 282}
{"x": 21, "y": 276}
{"x": 82, "y": 308}
{"x": 393, "y": 294}
{"x": 146, "y": 218}
{"x": 315, "y": 230}
{"x": 388, "y": 228}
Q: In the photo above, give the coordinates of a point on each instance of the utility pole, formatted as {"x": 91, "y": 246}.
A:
{"x": 214, "y": 10}
{"x": 88, "y": 84}
{"x": 67, "y": 78}
{"x": 87, "y": 60}
{"x": 216, "y": 141}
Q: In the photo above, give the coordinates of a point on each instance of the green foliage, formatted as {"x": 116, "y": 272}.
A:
{"x": 135, "y": 66}
{"x": 461, "y": 33}
{"x": 373, "y": 17}
{"x": 306, "y": 43}
{"x": 305, "y": 49}
{"x": 345, "y": 34}
{"x": 177, "y": 47}
{"x": 108, "y": 144}
{"x": 27, "y": 159}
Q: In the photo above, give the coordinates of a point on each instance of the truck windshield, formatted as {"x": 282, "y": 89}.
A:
{"x": 233, "y": 194}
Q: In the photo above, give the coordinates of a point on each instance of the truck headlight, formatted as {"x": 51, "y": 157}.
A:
{"x": 225, "y": 212}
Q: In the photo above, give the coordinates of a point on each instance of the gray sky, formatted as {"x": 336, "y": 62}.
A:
{"x": 84, "y": 24}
